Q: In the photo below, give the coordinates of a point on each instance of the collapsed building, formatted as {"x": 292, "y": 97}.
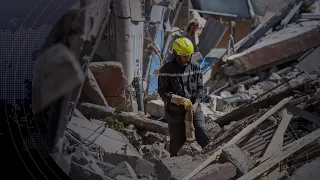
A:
{"x": 261, "y": 106}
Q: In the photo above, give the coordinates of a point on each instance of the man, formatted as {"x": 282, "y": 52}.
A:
{"x": 180, "y": 86}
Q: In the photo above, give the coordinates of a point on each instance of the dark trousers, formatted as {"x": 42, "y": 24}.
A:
{"x": 178, "y": 133}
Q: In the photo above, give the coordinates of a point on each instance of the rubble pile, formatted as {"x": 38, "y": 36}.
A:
{"x": 257, "y": 110}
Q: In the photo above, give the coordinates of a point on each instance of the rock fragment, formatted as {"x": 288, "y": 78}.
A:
{"x": 191, "y": 149}
{"x": 123, "y": 169}
{"x": 237, "y": 157}
{"x": 217, "y": 171}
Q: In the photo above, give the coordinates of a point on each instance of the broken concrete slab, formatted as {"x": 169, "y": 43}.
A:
{"x": 123, "y": 169}
{"x": 162, "y": 171}
{"x": 217, "y": 171}
{"x": 100, "y": 112}
{"x": 111, "y": 79}
{"x": 140, "y": 165}
{"x": 108, "y": 136}
{"x": 180, "y": 166}
{"x": 159, "y": 150}
{"x": 78, "y": 114}
{"x": 81, "y": 172}
{"x": 142, "y": 122}
{"x": 93, "y": 91}
{"x": 237, "y": 157}
{"x": 128, "y": 118}
{"x": 155, "y": 108}
{"x": 283, "y": 45}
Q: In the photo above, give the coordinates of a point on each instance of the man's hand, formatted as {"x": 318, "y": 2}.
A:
{"x": 181, "y": 101}
{"x": 195, "y": 107}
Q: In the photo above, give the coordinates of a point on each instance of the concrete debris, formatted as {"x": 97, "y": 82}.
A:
{"x": 79, "y": 172}
{"x": 159, "y": 150}
{"x": 213, "y": 128}
{"x": 128, "y": 118}
{"x": 151, "y": 138}
{"x": 180, "y": 166}
{"x": 249, "y": 89}
{"x": 92, "y": 90}
{"x": 140, "y": 165}
{"x": 133, "y": 137}
{"x": 217, "y": 171}
{"x": 191, "y": 149}
{"x": 155, "y": 108}
{"x": 110, "y": 78}
{"x": 101, "y": 136}
{"x": 123, "y": 169}
{"x": 237, "y": 157}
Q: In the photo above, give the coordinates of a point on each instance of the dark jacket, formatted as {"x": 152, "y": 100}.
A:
{"x": 183, "y": 80}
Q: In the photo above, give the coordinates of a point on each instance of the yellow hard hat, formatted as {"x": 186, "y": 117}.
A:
{"x": 183, "y": 46}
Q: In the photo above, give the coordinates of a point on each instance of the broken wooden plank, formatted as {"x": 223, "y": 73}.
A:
{"x": 283, "y": 154}
{"x": 290, "y": 15}
{"x": 250, "y": 127}
{"x": 277, "y": 140}
{"x": 247, "y": 110}
{"x": 244, "y": 132}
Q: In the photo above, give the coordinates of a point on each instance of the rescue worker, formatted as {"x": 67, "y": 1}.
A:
{"x": 180, "y": 85}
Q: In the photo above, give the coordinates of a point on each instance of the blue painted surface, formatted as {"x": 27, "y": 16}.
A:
{"x": 206, "y": 63}
{"x": 155, "y": 63}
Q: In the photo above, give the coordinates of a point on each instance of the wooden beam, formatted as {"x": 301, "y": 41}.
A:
{"x": 252, "y": 126}
{"x": 283, "y": 154}
{"x": 276, "y": 142}
{"x": 243, "y": 133}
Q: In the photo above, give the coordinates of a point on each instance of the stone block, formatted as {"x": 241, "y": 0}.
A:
{"x": 82, "y": 173}
{"x": 217, "y": 171}
{"x": 155, "y": 108}
{"x": 93, "y": 91}
{"x": 110, "y": 77}
{"x": 140, "y": 165}
{"x": 83, "y": 129}
{"x": 237, "y": 157}
{"x": 123, "y": 169}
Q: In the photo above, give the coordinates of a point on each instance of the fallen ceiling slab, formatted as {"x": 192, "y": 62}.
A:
{"x": 276, "y": 48}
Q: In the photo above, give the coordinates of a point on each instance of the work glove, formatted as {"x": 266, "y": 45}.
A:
{"x": 178, "y": 100}
{"x": 190, "y": 130}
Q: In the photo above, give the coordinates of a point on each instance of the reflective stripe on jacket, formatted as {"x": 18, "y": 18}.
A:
{"x": 183, "y": 80}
